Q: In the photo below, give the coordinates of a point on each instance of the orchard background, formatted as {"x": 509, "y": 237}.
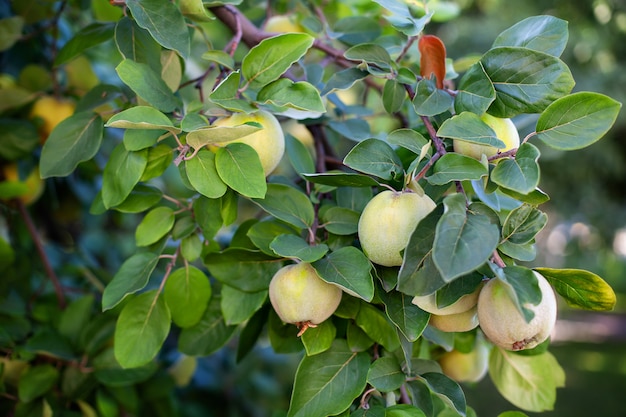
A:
{"x": 145, "y": 79}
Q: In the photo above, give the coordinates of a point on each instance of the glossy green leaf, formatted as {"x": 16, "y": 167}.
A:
{"x": 142, "y": 326}
{"x": 155, "y": 225}
{"x": 203, "y": 176}
{"x": 238, "y": 306}
{"x": 394, "y": 95}
{"x": 456, "y": 167}
{"x": 344, "y": 79}
{"x": 375, "y": 157}
{"x": 340, "y": 179}
{"x": 337, "y": 373}
{"x": 239, "y": 166}
{"x": 408, "y": 318}
{"x": 320, "y": 338}
{"x": 429, "y": 100}
{"x": 287, "y": 204}
{"x": 580, "y": 288}
{"x": 521, "y": 174}
{"x": 528, "y": 382}
{"x": 408, "y": 139}
{"x": 160, "y": 157}
{"x": 350, "y": 269}
{"x": 147, "y": 84}
{"x": 446, "y": 389}
{"x": 299, "y": 155}
{"x": 463, "y": 240}
{"x": 243, "y": 269}
{"x": 36, "y": 381}
{"x": 292, "y": 246}
{"x": 90, "y": 35}
{"x": 132, "y": 276}
{"x": 385, "y": 374}
{"x": 377, "y": 326}
{"x": 577, "y": 120}
{"x": 165, "y": 23}
{"x": 526, "y": 81}
{"x": 74, "y": 140}
{"x": 226, "y": 94}
{"x": 137, "y": 44}
{"x": 341, "y": 221}
{"x": 269, "y": 59}
{"x": 263, "y": 233}
{"x": 525, "y": 253}
{"x": 476, "y": 92}
{"x": 142, "y": 117}
{"x": 452, "y": 291}
{"x": 140, "y": 199}
{"x": 372, "y": 55}
{"x": 116, "y": 188}
{"x": 523, "y": 288}
{"x": 208, "y": 335}
{"x": 541, "y": 33}
{"x": 523, "y": 223}
{"x": 299, "y": 95}
{"x": 469, "y": 128}
{"x": 187, "y": 292}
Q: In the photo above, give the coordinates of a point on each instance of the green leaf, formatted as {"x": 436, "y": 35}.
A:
{"x": 528, "y": 382}
{"x": 377, "y": 326}
{"x": 74, "y": 140}
{"x": 147, "y": 84}
{"x": 525, "y": 253}
{"x": 141, "y": 329}
{"x": 137, "y": 44}
{"x": 340, "y": 179}
{"x": 115, "y": 187}
{"x": 429, "y": 100}
{"x": 523, "y": 288}
{"x": 263, "y": 233}
{"x": 375, "y": 157}
{"x": 320, "y": 338}
{"x": 521, "y": 174}
{"x": 577, "y": 120}
{"x": 394, "y": 95}
{"x": 526, "y": 81}
{"x": 541, "y": 33}
{"x": 469, "y": 127}
{"x": 344, "y": 79}
{"x": 91, "y": 35}
{"x": 447, "y": 390}
{"x": 456, "y": 167}
{"x": 408, "y": 318}
{"x": 219, "y": 134}
{"x": 350, "y": 269}
{"x": 287, "y": 204}
{"x": 226, "y": 94}
{"x": 523, "y": 223}
{"x": 372, "y": 55}
{"x": 132, "y": 276}
{"x": 140, "y": 199}
{"x": 208, "y": 335}
{"x": 238, "y": 306}
{"x": 385, "y": 374}
{"x": 401, "y": 17}
{"x": 36, "y": 381}
{"x": 355, "y": 129}
{"x": 408, "y": 139}
{"x": 292, "y": 246}
{"x": 155, "y": 225}
{"x": 405, "y": 410}
{"x": 580, "y": 288}
{"x": 239, "y": 166}
{"x": 142, "y": 117}
{"x": 203, "y": 176}
{"x": 463, "y": 240}
{"x": 356, "y": 29}
{"x": 243, "y": 269}
{"x": 341, "y": 221}
{"x": 191, "y": 247}
{"x": 187, "y": 292}
{"x": 219, "y": 57}
{"x": 10, "y": 31}
{"x": 476, "y": 92}
{"x": 299, "y": 95}
{"x": 299, "y": 155}
{"x": 337, "y": 373}
{"x": 271, "y": 57}
{"x": 195, "y": 10}
{"x": 512, "y": 414}
{"x": 165, "y": 22}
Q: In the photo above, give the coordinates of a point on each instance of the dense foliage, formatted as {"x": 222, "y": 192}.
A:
{"x": 162, "y": 161}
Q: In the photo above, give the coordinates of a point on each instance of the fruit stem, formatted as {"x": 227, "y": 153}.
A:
{"x": 304, "y": 326}
{"x": 32, "y": 231}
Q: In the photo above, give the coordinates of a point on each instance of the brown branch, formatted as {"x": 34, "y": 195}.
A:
{"x": 32, "y": 231}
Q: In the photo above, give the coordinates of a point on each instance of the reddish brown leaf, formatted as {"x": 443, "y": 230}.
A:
{"x": 433, "y": 58}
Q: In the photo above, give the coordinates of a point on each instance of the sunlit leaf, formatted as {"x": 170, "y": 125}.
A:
{"x": 580, "y": 288}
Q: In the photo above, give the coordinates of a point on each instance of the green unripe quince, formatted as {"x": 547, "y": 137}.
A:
{"x": 466, "y": 367}
{"x": 299, "y": 296}
{"x": 387, "y": 223}
{"x": 269, "y": 142}
{"x": 505, "y": 131}
{"x": 505, "y": 326}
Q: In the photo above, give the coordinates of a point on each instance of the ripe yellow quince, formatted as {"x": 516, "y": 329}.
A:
{"x": 51, "y": 111}
{"x": 299, "y": 296}
{"x": 34, "y": 184}
{"x": 467, "y": 367}
{"x": 505, "y": 131}
{"x": 387, "y": 223}
{"x": 269, "y": 142}
{"x": 503, "y": 323}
